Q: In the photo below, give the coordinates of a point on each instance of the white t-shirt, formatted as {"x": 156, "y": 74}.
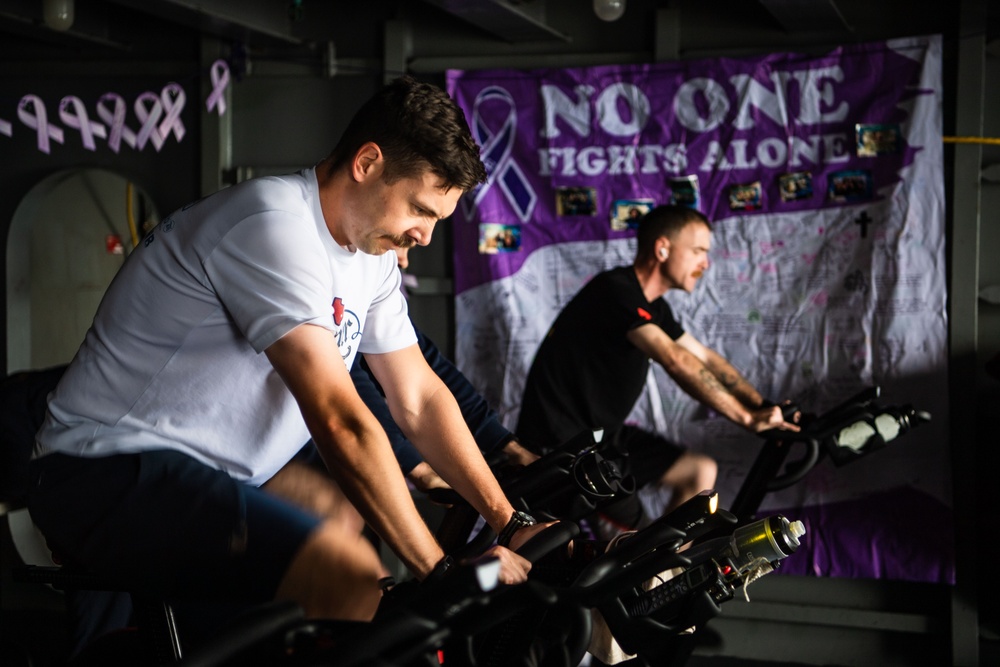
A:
{"x": 173, "y": 359}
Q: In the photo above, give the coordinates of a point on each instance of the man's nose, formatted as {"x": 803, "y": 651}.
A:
{"x": 421, "y": 235}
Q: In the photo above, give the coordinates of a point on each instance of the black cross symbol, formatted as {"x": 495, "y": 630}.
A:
{"x": 864, "y": 221}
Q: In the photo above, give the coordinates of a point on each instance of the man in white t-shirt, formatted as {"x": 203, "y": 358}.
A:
{"x": 224, "y": 343}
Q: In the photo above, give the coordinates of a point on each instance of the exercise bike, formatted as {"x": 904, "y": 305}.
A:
{"x": 853, "y": 429}
{"x": 619, "y": 580}
{"x": 725, "y": 553}
{"x": 650, "y": 596}
{"x": 463, "y": 618}
{"x": 418, "y": 624}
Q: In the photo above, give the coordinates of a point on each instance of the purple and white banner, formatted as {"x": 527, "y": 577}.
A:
{"x": 823, "y": 177}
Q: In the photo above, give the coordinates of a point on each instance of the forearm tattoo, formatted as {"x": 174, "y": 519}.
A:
{"x": 709, "y": 381}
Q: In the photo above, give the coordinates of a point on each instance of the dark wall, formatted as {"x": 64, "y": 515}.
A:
{"x": 123, "y": 52}
{"x": 170, "y": 176}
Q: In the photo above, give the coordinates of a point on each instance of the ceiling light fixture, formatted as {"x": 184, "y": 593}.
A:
{"x": 58, "y": 14}
{"x": 609, "y": 10}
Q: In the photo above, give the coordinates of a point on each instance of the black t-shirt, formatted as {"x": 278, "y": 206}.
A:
{"x": 586, "y": 374}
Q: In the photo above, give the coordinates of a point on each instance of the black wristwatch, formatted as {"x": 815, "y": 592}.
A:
{"x": 440, "y": 569}
{"x": 518, "y": 520}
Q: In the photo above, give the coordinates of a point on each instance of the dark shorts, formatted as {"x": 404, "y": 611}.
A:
{"x": 649, "y": 457}
{"x": 163, "y": 522}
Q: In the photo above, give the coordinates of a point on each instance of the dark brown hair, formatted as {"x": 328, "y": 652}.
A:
{"x": 417, "y": 126}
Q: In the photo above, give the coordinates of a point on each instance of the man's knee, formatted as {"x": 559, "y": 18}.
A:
{"x": 708, "y": 471}
{"x": 334, "y": 574}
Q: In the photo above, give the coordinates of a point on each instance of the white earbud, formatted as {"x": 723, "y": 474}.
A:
{"x": 663, "y": 253}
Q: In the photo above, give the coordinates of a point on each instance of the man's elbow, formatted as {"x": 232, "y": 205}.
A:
{"x": 345, "y": 432}
{"x": 676, "y": 365}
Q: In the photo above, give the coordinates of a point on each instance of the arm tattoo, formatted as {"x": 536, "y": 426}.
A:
{"x": 709, "y": 380}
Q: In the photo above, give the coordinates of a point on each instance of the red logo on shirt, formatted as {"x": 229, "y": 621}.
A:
{"x": 338, "y": 311}
{"x": 643, "y": 314}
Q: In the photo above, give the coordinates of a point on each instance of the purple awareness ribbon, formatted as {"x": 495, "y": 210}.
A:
{"x": 73, "y": 114}
{"x": 6, "y": 127}
{"x": 220, "y": 80}
{"x": 115, "y": 118}
{"x": 38, "y": 120}
{"x": 150, "y": 119}
{"x": 173, "y": 99}
{"x": 496, "y": 150}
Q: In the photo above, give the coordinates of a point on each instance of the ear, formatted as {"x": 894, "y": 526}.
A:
{"x": 663, "y": 248}
{"x": 367, "y": 161}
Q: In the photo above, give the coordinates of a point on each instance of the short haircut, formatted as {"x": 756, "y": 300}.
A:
{"x": 666, "y": 220}
{"x": 418, "y": 127}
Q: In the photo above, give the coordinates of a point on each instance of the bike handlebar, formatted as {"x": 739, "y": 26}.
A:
{"x": 846, "y": 432}
{"x": 548, "y": 540}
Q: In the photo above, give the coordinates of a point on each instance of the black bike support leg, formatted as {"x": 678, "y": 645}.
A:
{"x": 158, "y": 629}
{"x": 764, "y": 469}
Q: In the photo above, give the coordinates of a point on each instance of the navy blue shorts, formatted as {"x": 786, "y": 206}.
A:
{"x": 164, "y": 523}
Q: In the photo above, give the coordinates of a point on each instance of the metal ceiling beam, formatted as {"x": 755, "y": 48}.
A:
{"x": 23, "y": 18}
{"x": 807, "y": 15}
{"x": 510, "y": 20}
{"x": 223, "y": 18}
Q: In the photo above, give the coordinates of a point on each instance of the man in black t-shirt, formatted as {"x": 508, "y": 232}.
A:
{"x": 592, "y": 365}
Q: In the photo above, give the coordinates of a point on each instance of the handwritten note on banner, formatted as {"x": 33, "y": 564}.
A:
{"x": 158, "y": 116}
{"x": 823, "y": 177}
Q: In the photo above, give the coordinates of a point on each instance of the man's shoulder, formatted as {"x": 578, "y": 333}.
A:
{"x": 618, "y": 275}
{"x": 614, "y": 282}
{"x": 624, "y": 273}
{"x": 277, "y": 191}
{"x": 256, "y": 196}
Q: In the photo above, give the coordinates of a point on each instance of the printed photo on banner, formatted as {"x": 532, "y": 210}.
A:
{"x": 877, "y": 139}
{"x": 495, "y": 238}
{"x": 684, "y": 191}
{"x": 576, "y": 201}
{"x": 626, "y": 213}
{"x": 850, "y": 185}
{"x": 795, "y": 186}
{"x": 748, "y": 197}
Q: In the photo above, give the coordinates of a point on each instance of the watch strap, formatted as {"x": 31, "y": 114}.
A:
{"x": 518, "y": 520}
